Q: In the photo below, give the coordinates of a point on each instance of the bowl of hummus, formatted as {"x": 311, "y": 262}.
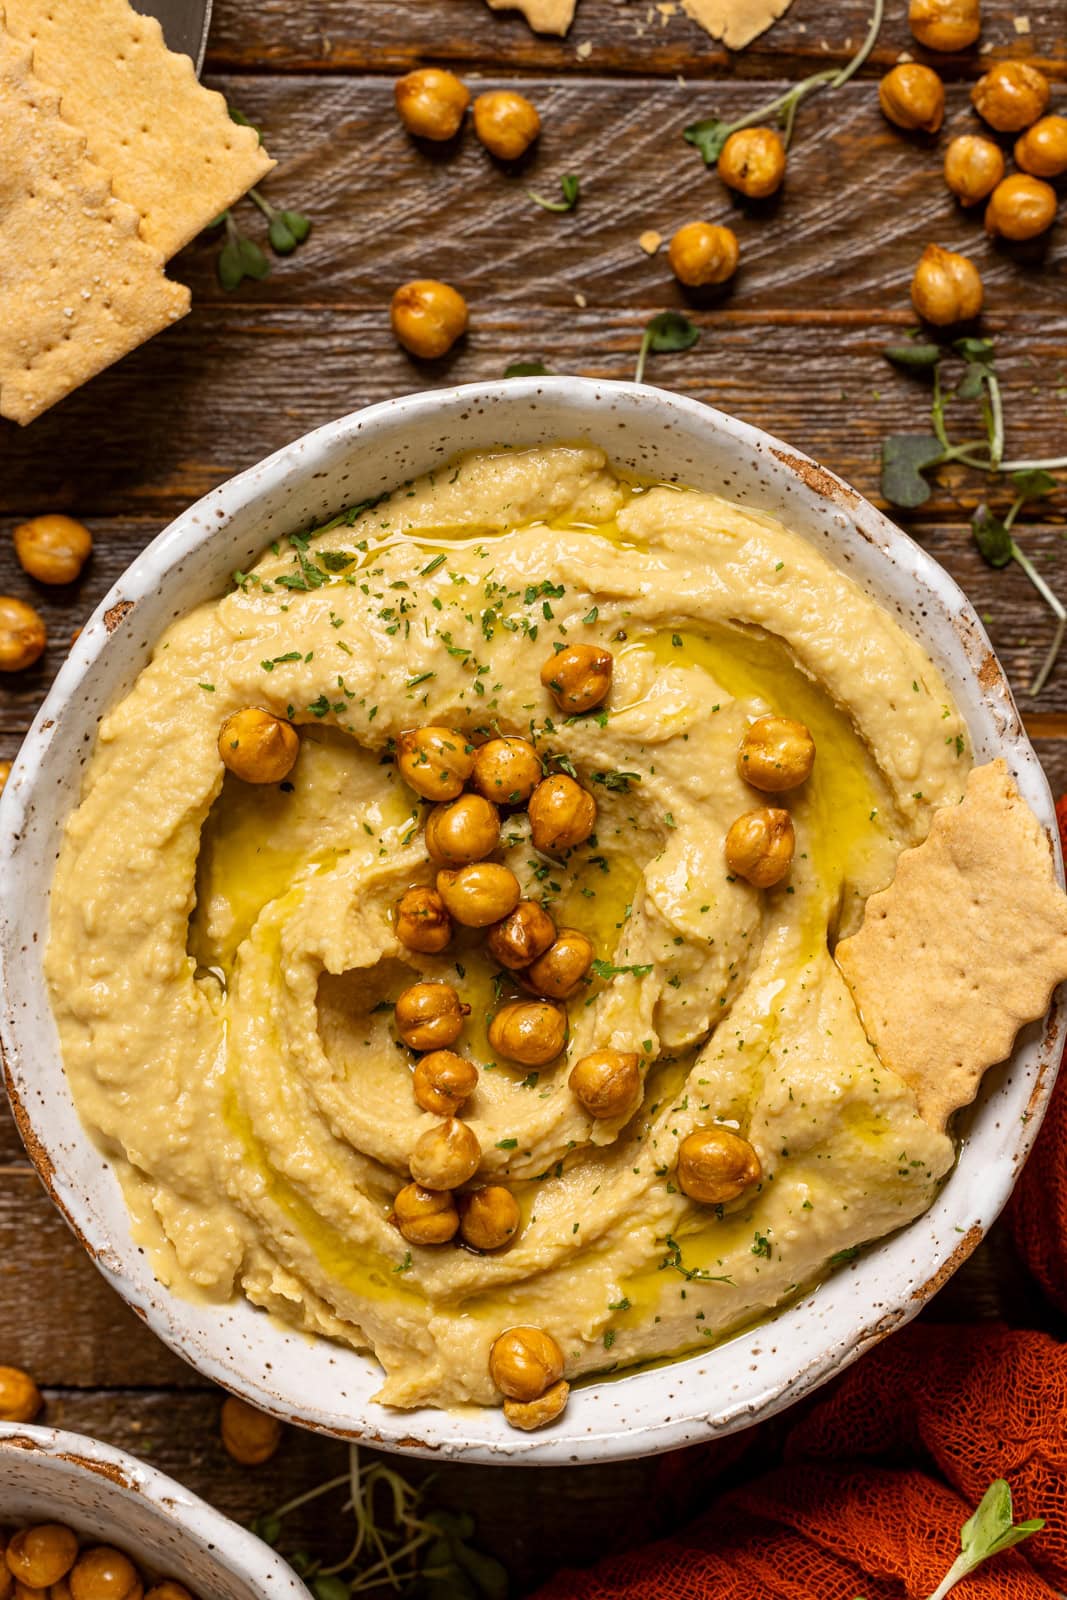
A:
{"x": 533, "y": 927}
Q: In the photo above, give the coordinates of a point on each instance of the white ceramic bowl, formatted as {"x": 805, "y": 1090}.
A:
{"x": 322, "y": 1385}
{"x": 111, "y": 1498}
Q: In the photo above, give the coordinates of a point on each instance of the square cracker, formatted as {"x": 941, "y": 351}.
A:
{"x": 964, "y": 947}
{"x": 168, "y": 144}
{"x": 78, "y": 286}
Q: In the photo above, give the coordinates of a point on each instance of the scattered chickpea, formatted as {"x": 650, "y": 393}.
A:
{"x": 1020, "y": 207}
{"x": 1010, "y": 96}
{"x": 531, "y": 1414}
{"x": 20, "y": 1398}
{"x": 42, "y": 1555}
{"x": 776, "y": 753}
{"x": 607, "y": 1083}
{"x": 445, "y": 1156}
{"x": 488, "y": 1218}
{"x": 521, "y": 937}
{"x": 579, "y": 677}
{"x": 249, "y": 1435}
{"x": 443, "y": 1082}
{"x": 436, "y": 762}
{"x": 257, "y": 746}
{"x": 23, "y": 635}
{"x": 760, "y": 846}
{"x": 104, "y": 1573}
{"x": 703, "y": 253}
{"x": 913, "y": 97}
{"x": 53, "y": 548}
{"x": 1042, "y": 149}
{"x": 429, "y": 1016}
{"x": 425, "y": 1216}
{"x": 531, "y": 1032}
{"x": 946, "y": 288}
{"x": 422, "y": 922}
{"x": 479, "y": 894}
{"x": 5, "y": 773}
{"x": 716, "y": 1165}
{"x": 506, "y": 123}
{"x": 506, "y": 771}
{"x": 462, "y": 831}
{"x": 557, "y": 974}
{"x": 525, "y": 1362}
{"x": 973, "y": 167}
{"x": 752, "y": 161}
{"x": 428, "y": 317}
{"x": 945, "y": 24}
{"x": 562, "y": 814}
{"x": 431, "y": 103}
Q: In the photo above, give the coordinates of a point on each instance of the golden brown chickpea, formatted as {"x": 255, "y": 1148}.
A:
{"x": 913, "y": 97}
{"x": 1042, "y": 149}
{"x": 428, "y": 317}
{"x": 104, "y": 1573}
{"x": 506, "y": 123}
{"x": 973, "y": 167}
{"x": 1021, "y": 207}
{"x": 443, "y": 1082}
{"x": 5, "y": 773}
{"x": 436, "y": 762}
{"x": 168, "y": 1589}
{"x": 41, "y": 1555}
{"x": 521, "y": 937}
{"x": 525, "y": 1362}
{"x": 752, "y": 161}
{"x": 425, "y": 1216}
{"x": 462, "y": 831}
{"x": 703, "y": 253}
{"x": 945, "y": 24}
{"x": 531, "y": 1414}
{"x": 506, "y": 771}
{"x": 257, "y": 746}
{"x": 445, "y": 1156}
{"x": 23, "y": 635}
{"x": 760, "y": 845}
{"x": 431, "y": 103}
{"x": 1010, "y": 96}
{"x": 54, "y": 548}
{"x": 607, "y": 1083}
{"x": 249, "y": 1435}
{"x": 429, "y": 1016}
{"x": 20, "y": 1398}
{"x": 562, "y": 814}
{"x": 557, "y": 974}
{"x": 479, "y": 894}
{"x": 531, "y": 1032}
{"x": 716, "y": 1165}
{"x": 488, "y": 1218}
{"x": 776, "y": 753}
{"x": 422, "y": 923}
{"x": 946, "y": 288}
{"x": 579, "y": 677}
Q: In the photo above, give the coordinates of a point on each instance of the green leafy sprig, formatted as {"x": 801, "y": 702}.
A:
{"x": 569, "y": 184}
{"x": 670, "y": 330}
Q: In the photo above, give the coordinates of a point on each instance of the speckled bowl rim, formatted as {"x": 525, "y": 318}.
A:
{"x": 754, "y": 1374}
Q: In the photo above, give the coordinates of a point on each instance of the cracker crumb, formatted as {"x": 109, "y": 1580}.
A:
{"x": 650, "y": 241}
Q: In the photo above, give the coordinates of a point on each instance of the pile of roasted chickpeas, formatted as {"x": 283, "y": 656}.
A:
{"x": 52, "y": 550}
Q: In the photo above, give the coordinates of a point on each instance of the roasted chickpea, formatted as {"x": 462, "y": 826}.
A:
{"x": 716, "y": 1165}
{"x": 167, "y": 1589}
{"x": 945, "y": 24}
{"x": 557, "y": 974}
{"x": 53, "y": 548}
{"x": 973, "y": 167}
{"x": 1020, "y": 207}
{"x": 607, "y": 1083}
{"x": 521, "y": 937}
{"x": 506, "y": 771}
{"x": 445, "y": 1156}
{"x": 443, "y": 1082}
{"x": 579, "y": 677}
{"x": 5, "y": 773}
{"x": 760, "y": 845}
{"x": 913, "y": 97}
{"x": 429, "y": 1016}
{"x": 776, "y": 753}
{"x": 531, "y": 1032}
{"x": 462, "y": 831}
{"x": 249, "y": 1435}
{"x": 562, "y": 814}
{"x": 257, "y": 746}
{"x": 479, "y": 894}
{"x": 488, "y": 1218}
{"x": 524, "y": 1362}
{"x": 531, "y": 1414}
{"x": 428, "y": 317}
{"x": 23, "y": 635}
{"x": 1042, "y": 149}
{"x": 752, "y": 161}
{"x": 436, "y": 762}
{"x": 703, "y": 253}
{"x": 431, "y": 103}
{"x": 422, "y": 923}
{"x": 506, "y": 123}
{"x": 425, "y": 1216}
{"x": 20, "y": 1398}
{"x": 1010, "y": 96}
{"x": 947, "y": 287}
{"x": 42, "y": 1555}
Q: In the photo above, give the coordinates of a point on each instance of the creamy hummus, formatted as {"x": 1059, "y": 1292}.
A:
{"x": 223, "y": 957}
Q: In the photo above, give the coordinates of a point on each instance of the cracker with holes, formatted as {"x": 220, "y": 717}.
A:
{"x": 168, "y": 144}
{"x": 964, "y": 947}
{"x": 79, "y": 287}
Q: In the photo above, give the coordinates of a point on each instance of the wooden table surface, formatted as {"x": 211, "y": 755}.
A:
{"x": 794, "y": 347}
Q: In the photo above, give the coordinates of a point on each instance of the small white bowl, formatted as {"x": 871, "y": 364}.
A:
{"x": 323, "y": 1385}
{"x": 109, "y": 1497}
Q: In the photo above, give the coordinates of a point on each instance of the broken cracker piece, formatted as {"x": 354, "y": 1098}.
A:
{"x": 544, "y": 16}
{"x": 964, "y": 947}
{"x": 735, "y": 22}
